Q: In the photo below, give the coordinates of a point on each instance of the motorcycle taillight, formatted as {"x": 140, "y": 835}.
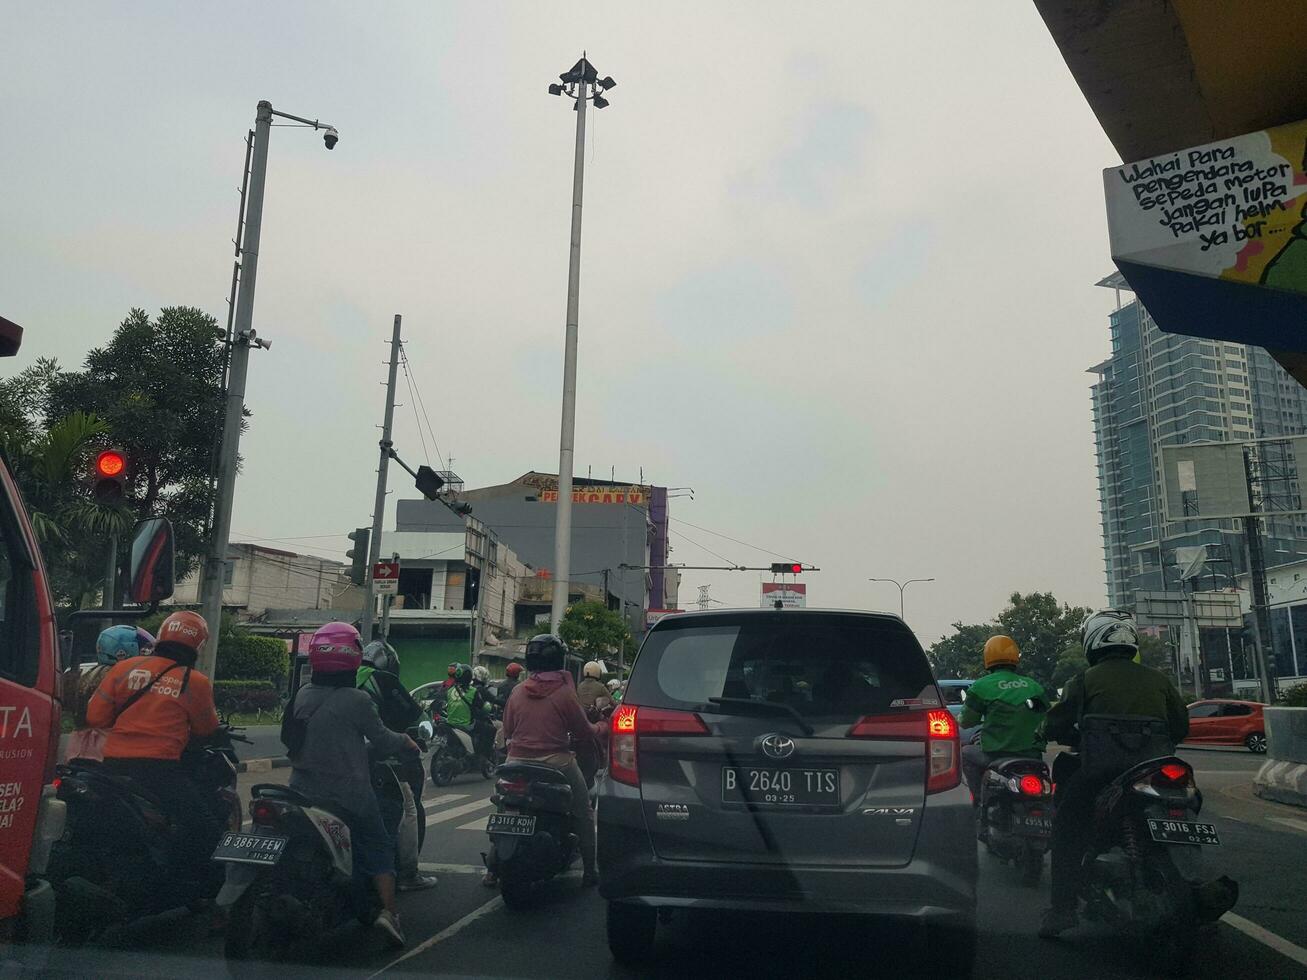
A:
{"x": 512, "y": 787}
{"x": 265, "y": 813}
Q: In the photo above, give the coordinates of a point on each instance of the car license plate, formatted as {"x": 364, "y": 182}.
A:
{"x": 1183, "y": 832}
{"x": 250, "y": 848}
{"x": 781, "y": 787}
{"x": 511, "y": 824}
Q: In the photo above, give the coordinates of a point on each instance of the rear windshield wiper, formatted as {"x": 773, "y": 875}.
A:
{"x": 766, "y": 707}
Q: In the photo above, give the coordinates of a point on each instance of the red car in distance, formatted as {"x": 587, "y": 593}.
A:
{"x": 1217, "y": 721}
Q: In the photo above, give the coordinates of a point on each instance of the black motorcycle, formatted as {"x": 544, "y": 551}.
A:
{"x": 1016, "y": 814}
{"x": 116, "y": 860}
{"x": 1143, "y": 871}
{"x": 532, "y": 837}
{"x": 454, "y": 752}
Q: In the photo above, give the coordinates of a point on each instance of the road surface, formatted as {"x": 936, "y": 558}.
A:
{"x": 462, "y": 929}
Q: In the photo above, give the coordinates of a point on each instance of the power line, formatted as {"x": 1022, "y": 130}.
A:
{"x": 418, "y": 391}
{"x": 413, "y": 403}
{"x": 718, "y": 534}
{"x": 704, "y": 548}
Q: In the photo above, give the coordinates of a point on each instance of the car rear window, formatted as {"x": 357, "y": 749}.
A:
{"x": 835, "y": 666}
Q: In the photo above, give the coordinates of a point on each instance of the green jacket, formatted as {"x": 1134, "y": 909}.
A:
{"x": 998, "y": 702}
{"x": 1117, "y": 686}
{"x": 463, "y": 704}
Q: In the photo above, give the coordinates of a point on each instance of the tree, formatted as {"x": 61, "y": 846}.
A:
{"x": 157, "y": 386}
{"x": 592, "y": 630}
{"x": 959, "y": 655}
{"x": 1043, "y": 629}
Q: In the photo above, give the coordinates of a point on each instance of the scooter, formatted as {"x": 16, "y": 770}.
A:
{"x": 532, "y": 837}
{"x": 115, "y": 862}
{"x": 1016, "y": 814}
{"x": 453, "y": 753}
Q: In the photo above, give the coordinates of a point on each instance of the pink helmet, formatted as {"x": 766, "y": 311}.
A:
{"x": 335, "y": 648}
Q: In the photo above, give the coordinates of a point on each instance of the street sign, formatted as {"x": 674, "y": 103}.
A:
{"x": 385, "y": 578}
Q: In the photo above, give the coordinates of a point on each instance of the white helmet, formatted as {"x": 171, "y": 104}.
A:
{"x": 614, "y": 684}
{"x": 593, "y": 669}
{"x": 480, "y": 675}
{"x": 1108, "y": 631}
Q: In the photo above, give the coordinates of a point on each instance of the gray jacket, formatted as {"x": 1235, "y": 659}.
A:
{"x": 333, "y": 765}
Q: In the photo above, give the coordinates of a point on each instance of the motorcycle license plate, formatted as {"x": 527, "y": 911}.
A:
{"x": 1183, "y": 832}
{"x": 511, "y": 824}
{"x": 250, "y": 848}
{"x": 1033, "y": 823}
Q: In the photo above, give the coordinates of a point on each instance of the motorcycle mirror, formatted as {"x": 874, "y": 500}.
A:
{"x": 425, "y": 729}
{"x": 152, "y": 570}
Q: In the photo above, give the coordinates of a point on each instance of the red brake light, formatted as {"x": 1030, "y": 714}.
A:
{"x": 903, "y": 724}
{"x": 512, "y": 787}
{"x": 659, "y": 721}
{"x": 1031, "y": 785}
{"x": 56, "y": 783}
{"x": 264, "y": 813}
{"x": 629, "y": 722}
{"x": 941, "y": 724}
{"x": 110, "y": 463}
{"x": 1174, "y": 772}
{"x": 943, "y": 753}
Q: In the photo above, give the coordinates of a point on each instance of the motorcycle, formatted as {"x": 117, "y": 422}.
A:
{"x": 532, "y": 837}
{"x": 454, "y": 753}
{"x": 1016, "y": 814}
{"x": 115, "y": 862}
{"x": 1143, "y": 870}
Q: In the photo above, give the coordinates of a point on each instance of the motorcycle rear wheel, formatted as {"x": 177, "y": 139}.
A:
{"x": 442, "y": 769}
{"x": 516, "y": 893}
{"x": 1175, "y": 943}
{"x": 248, "y": 943}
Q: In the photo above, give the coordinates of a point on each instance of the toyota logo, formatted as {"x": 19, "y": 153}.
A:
{"x": 777, "y": 746}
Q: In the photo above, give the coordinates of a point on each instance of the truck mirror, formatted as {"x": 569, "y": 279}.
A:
{"x": 151, "y": 578}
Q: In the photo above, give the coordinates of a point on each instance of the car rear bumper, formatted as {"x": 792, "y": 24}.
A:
{"x": 940, "y": 881}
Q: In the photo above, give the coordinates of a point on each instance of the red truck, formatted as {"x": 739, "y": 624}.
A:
{"x": 31, "y": 819}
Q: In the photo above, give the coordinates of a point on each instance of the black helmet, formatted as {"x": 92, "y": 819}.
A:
{"x": 382, "y": 656}
{"x": 545, "y": 652}
{"x": 463, "y": 675}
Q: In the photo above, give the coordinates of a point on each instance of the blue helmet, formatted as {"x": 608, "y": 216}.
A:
{"x": 120, "y": 642}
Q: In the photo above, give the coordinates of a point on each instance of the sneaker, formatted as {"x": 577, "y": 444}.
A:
{"x": 1058, "y": 921}
{"x": 388, "y": 922}
{"x": 415, "y": 882}
{"x": 490, "y": 879}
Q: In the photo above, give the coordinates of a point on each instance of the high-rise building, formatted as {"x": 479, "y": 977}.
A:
{"x": 1160, "y": 389}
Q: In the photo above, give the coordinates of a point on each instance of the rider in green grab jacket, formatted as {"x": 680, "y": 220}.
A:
{"x": 997, "y": 701}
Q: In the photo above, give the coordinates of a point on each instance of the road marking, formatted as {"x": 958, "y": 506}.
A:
{"x": 1290, "y": 822}
{"x": 455, "y": 812}
{"x": 443, "y": 934}
{"x": 1267, "y": 938}
{"x": 441, "y": 800}
{"x": 450, "y": 869}
{"x": 478, "y": 824}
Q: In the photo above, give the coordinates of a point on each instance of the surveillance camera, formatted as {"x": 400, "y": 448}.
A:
{"x": 330, "y": 137}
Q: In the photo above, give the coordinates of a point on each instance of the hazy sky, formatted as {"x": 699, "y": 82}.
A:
{"x": 837, "y": 262}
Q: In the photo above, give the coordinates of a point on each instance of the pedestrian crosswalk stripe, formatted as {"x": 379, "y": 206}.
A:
{"x": 477, "y": 824}
{"x": 442, "y": 800}
{"x": 455, "y": 812}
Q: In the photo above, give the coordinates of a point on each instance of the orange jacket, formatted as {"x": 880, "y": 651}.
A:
{"x": 158, "y": 725}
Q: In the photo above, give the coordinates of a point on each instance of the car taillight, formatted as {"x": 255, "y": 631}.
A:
{"x": 937, "y": 727}
{"x": 1030, "y": 785}
{"x": 512, "y": 787}
{"x": 630, "y": 722}
{"x": 264, "y": 813}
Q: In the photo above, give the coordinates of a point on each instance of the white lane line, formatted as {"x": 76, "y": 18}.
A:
{"x": 1290, "y": 822}
{"x": 442, "y": 800}
{"x": 1267, "y": 938}
{"x": 443, "y": 934}
{"x": 478, "y": 824}
{"x": 455, "y": 812}
{"x": 450, "y": 869}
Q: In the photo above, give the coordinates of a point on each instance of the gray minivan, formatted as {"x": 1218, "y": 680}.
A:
{"x": 792, "y": 760}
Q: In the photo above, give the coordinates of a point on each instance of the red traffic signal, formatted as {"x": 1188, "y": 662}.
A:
{"x": 109, "y": 474}
{"x": 786, "y": 568}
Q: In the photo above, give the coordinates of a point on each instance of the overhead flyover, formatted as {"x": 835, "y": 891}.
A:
{"x": 1205, "y": 100}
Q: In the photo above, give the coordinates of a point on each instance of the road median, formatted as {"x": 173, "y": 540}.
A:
{"x": 1283, "y": 777}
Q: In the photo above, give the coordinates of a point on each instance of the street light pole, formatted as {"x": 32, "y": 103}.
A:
{"x": 582, "y": 84}
{"x": 902, "y": 588}
{"x": 242, "y": 339}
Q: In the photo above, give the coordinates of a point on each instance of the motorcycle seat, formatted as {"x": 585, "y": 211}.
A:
{"x": 535, "y": 772}
{"x": 1011, "y": 765}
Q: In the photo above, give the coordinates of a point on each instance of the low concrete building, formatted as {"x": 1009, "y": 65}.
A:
{"x": 259, "y": 578}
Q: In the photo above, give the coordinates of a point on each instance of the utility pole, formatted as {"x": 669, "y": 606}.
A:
{"x": 237, "y": 367}
{"x": 1264, "y": 652}
{"x": 582, "y": 84}
{"x": 110, "y": 573}
{"x": 379, "y": 504}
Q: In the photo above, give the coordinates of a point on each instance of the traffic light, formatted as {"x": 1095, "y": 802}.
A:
{"x": 109, "y": 476}
{"x": 358, "y": 555}
{"x": 472, "y": 588}
{"x": 786, "y": 568}
{"x": 428, "y": 482}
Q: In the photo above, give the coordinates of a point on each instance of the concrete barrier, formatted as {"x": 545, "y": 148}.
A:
{"x": 1283, "y": 777}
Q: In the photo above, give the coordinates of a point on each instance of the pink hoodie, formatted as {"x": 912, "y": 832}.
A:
{"x": 543, "y": 715}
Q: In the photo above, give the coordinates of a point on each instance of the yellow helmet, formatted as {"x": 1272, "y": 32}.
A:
{"x": 1001, "y": 650}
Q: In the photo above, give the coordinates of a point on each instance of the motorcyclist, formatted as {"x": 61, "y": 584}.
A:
{"x": 542, "y": 718}
{"x": 997, "y": 702}
{"x": 379, "y": 676}
{"x": 466, "y": 707}
{"x": 1114, "y": 684}
{"x": 591, "y": 688}
{"x": 153, "y": 706}
{"x": 512, "y": 675}
{"x": 329, "y": 728}
{"x": 113, "y": 644}
{"x": 449, "y": 681}
{"x": 615, "y": 691}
